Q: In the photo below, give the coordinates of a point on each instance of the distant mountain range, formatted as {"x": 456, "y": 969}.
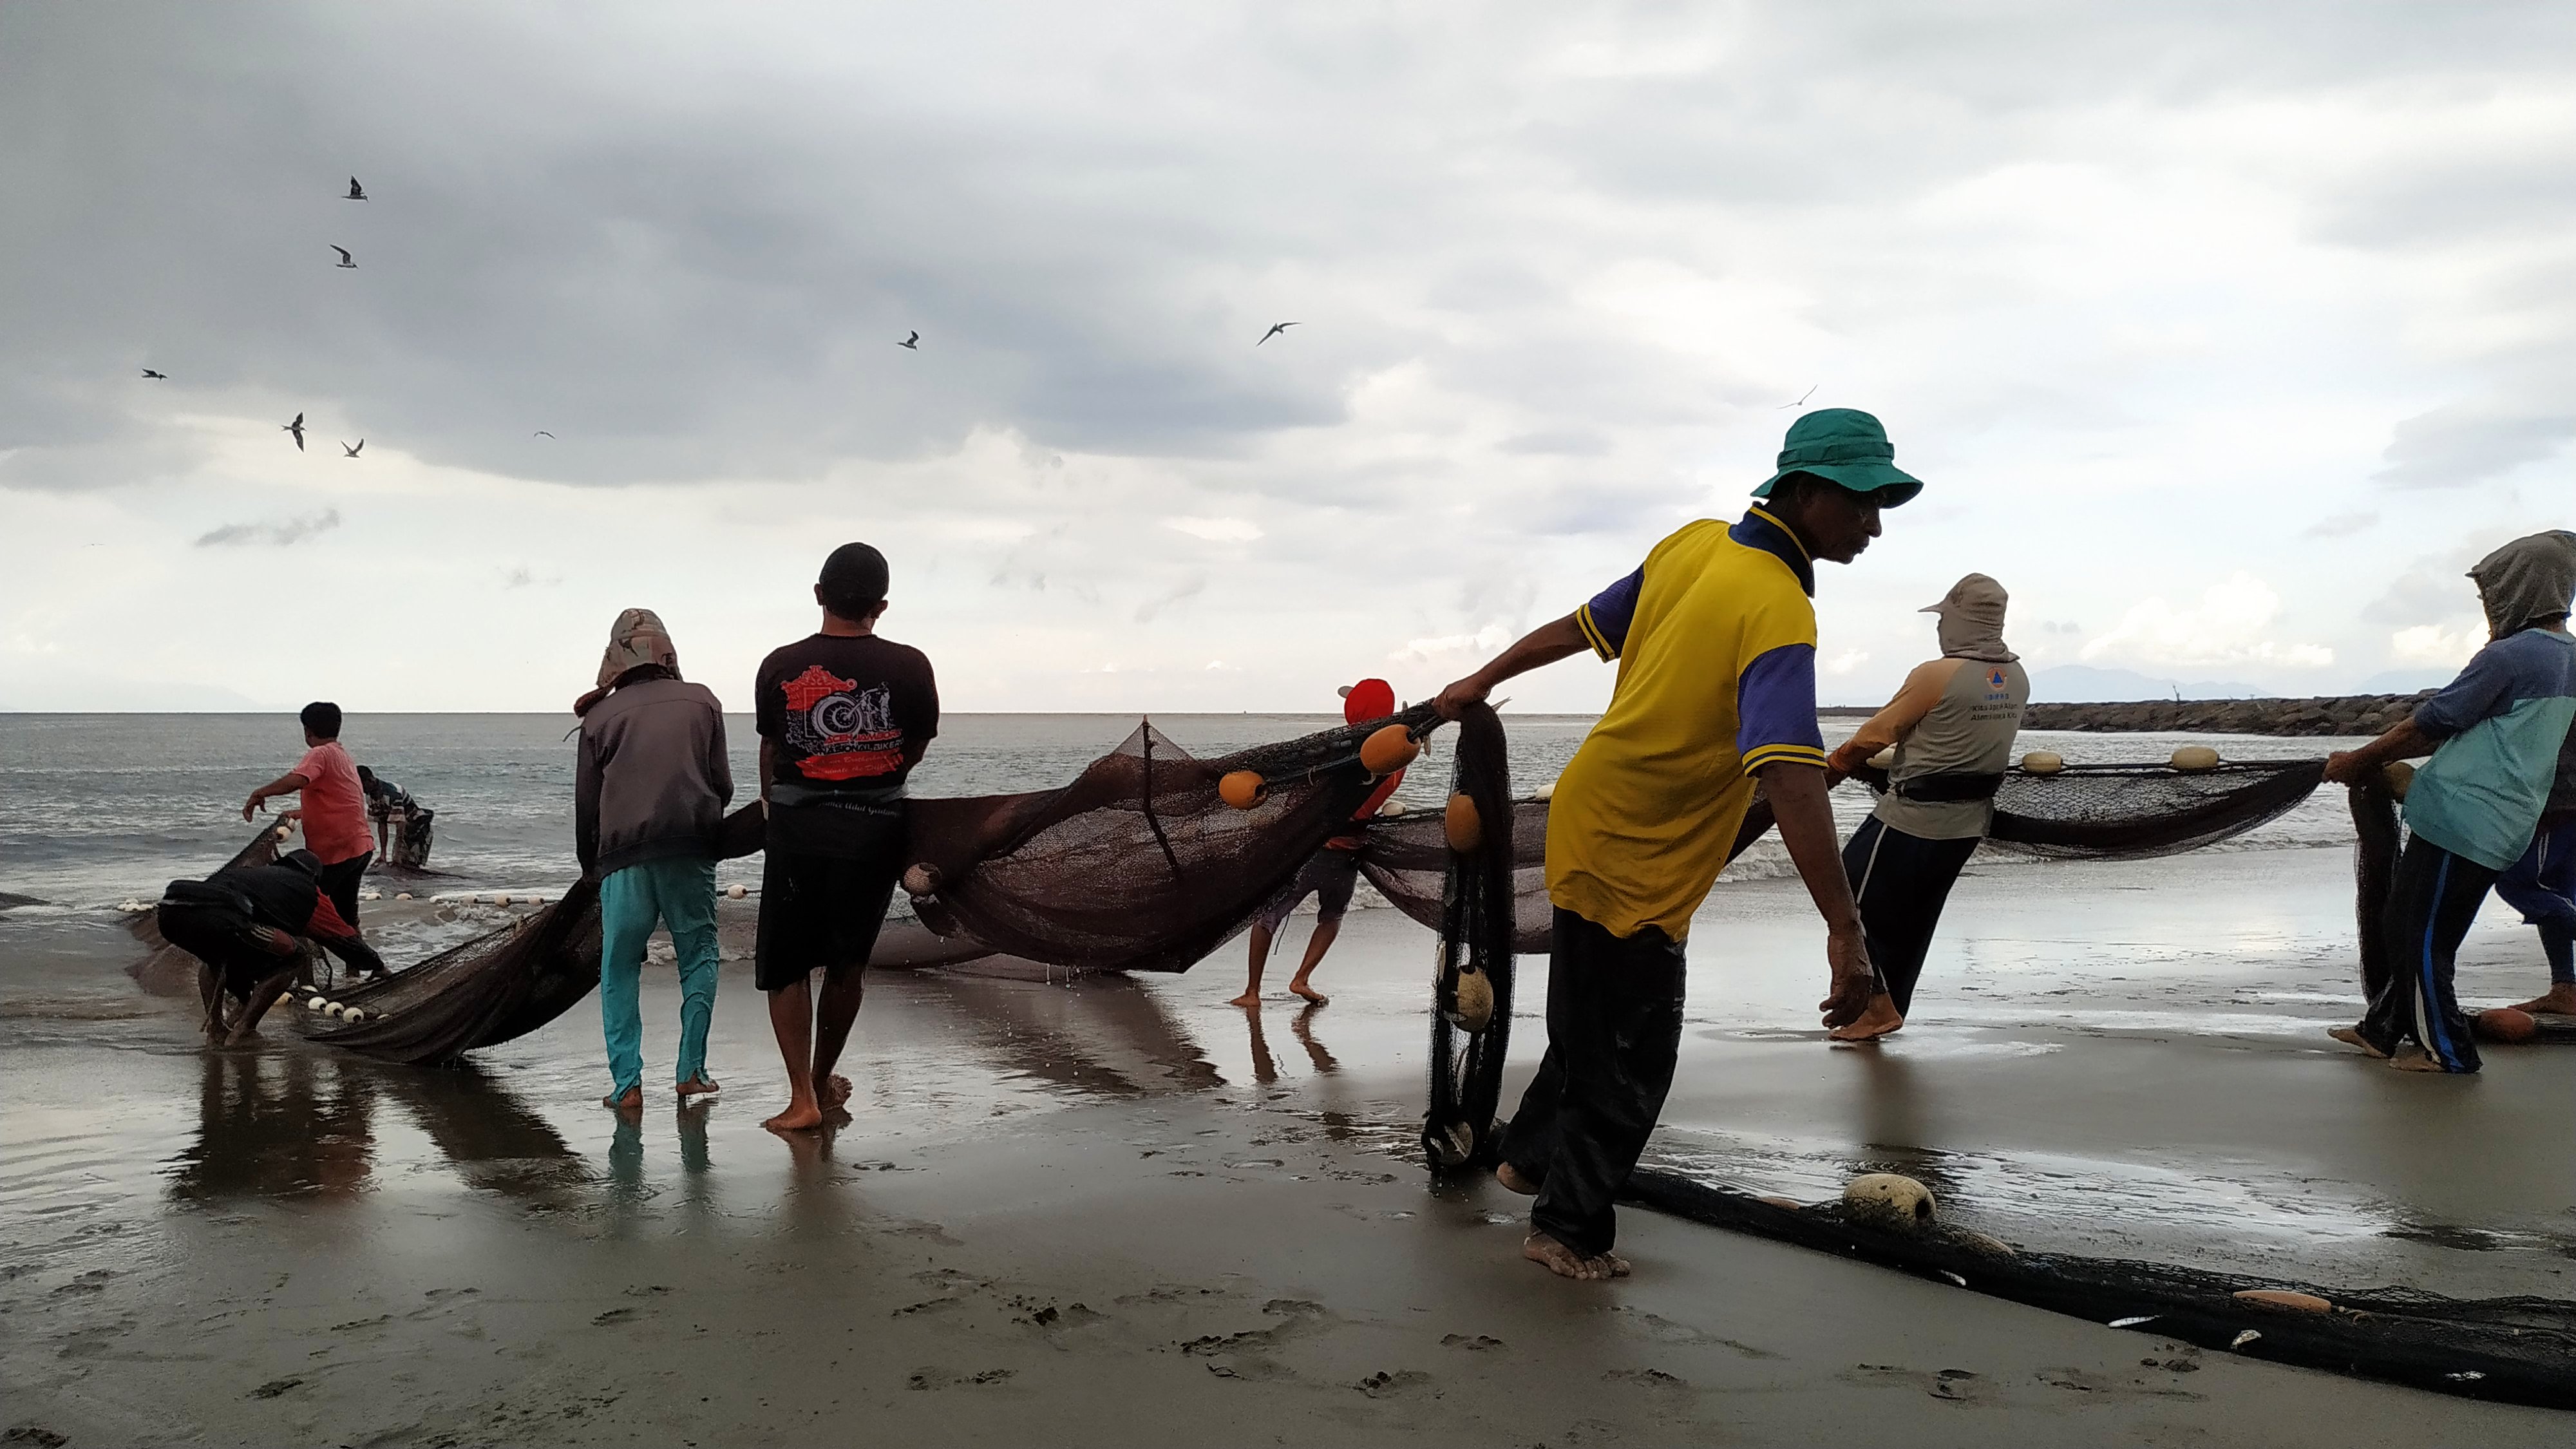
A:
{"x": 2083, "y": 684}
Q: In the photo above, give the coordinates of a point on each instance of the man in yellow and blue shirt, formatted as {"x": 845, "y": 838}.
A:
{"x": 1715, "y": 639}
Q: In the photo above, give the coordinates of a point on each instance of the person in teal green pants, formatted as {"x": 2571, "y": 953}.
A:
{"x": 648, "y": 799}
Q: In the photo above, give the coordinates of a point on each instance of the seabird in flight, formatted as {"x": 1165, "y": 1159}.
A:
{"x": 913, "y": 342}
{"x": 1275, "y": 329}
{"x": 297, "y": 428}
{"x": 148, "y": 372}
{"x": 1802, "y": 399}
{"x": 356, "y": 192}
{"x": 540, "y": 433}
{"x": 344, "y": 257}
{"x": 353, "y": 452}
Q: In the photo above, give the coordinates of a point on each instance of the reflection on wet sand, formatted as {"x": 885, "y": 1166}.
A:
{"x": 1265, "y": 1068}
{"x": 276, "y": 1124}
{"x": 1104, "y": 1036}
{"x": 492, "y": 1137}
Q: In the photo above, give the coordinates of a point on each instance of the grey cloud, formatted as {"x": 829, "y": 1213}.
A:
{"x": 2452, "y": 447}
{"x": 277, "y": 535}
{"x": 2341, "y": 525}
{"x": 1188, "y": 588}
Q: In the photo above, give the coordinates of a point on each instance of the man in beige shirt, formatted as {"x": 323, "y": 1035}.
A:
{"x": 1952, "y": 726}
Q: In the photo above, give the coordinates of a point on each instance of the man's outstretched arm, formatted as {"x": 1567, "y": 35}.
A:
{"x": 1543, "y": 645}
{"x": 1797, "y": 795}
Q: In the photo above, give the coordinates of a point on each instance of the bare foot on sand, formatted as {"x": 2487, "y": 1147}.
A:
{"x": 2559, "y": 1001}
{"x": 2351, "y": 1036}
{"x": 2413, "y": 1059}
{"x": 800, "y": 1116}
{"x": 1511, "y": 1179}
{"x": 1564, "y": 1262}
{"x": 1880, "y": 1019}
{"x": 831, "y": 1091}
{"x": 698, "y": 1086}
{"x": 1308, "y": 992}
{"x": 1247, "y": 999}
{"x": 630, "y": 1100}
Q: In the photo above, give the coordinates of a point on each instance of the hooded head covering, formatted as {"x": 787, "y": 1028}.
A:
{"x": 637, "y": 638}
{"x": 2526, "y": 581}
{"x": 1972, "y": 621}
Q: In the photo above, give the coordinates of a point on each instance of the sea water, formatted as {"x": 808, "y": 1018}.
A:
{"x": 100, "y": 809}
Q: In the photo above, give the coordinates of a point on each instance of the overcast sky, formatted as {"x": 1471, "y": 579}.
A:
{"x": 2224, "y": 335}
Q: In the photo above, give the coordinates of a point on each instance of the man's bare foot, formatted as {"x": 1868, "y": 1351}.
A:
{"x": 698, "y": 1086}
{"x": 1308, "y": 992}
{"x": 1510, "y": 1177}
{"x": 831, "y": 1091}
{"x": 2414, "y": 1059}
{"x": 1249, "y": 998}
{"x": 630, "y": 1100}
{"x": 801, "y": 1116}
{"x": 1880, "y": 1019}
{"x": 1564, "y": 1262}
{"x": 2351, "y": 1036}
{"x": 2557, "y": 1001}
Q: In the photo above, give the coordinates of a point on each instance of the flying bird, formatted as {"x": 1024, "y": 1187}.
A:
{"x": 353, "y": 452}
{"x": 344, "y": 257}
{"x": 356, "y": 192}
{"x": 297, "y": 428}
{"x": 148, "y": 372}
{"x": 1801, "y": 402}
{"x": 1275, "y": 329}
{"x": 540, "y": 433}
{"x": 913, "y": 342}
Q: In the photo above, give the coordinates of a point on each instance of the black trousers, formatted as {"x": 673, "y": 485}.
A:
{"x": 2431, "y": 904}
{"x": 1901, "y": 882}
{"x": 340, "y": 881}
{"x": 1614, "y": 1030}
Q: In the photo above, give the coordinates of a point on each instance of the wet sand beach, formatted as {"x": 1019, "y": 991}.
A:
{"x": 1120, "y": 1211}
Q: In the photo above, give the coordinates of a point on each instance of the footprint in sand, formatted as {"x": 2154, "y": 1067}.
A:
{"x": 615, "y": 1315}
{"x": 1383, "y": 1384}
{"x": 1476, "y": 1344}
{"x": 939, "y": 1378}
{"x": 275, "y": 1387}
{"x": 1645, "y": 1378}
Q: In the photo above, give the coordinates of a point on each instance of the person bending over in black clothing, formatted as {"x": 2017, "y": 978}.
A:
{"x": 248, "y": 926}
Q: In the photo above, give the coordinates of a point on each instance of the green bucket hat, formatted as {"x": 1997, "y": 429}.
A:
{"x": 1844, "y": 446}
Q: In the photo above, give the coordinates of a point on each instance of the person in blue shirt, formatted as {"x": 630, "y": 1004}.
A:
{"x": 2494, "y": 734}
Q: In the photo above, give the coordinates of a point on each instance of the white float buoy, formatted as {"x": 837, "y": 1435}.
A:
{"x": 402, "y": 895}
{"x": 284, "y": 831}
{"x": 1890, "y": 1198}
{"x": 736, "y": 892}
{"x": 536, "y": 900}
{"x": 1544, "y": 792}
{"x": 501, "y": 900}
{"x": 1392, "y": 809}
{"x": 313, "y": 1003}
{"x": 2042, "y": 762}
{"x": 2195, "y": 757}
{"x": 1884, "y": 759}
{"x": 356, "y": 1016}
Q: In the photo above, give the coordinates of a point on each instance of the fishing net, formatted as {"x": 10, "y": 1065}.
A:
{"x": 1471, "y": 1007}
{"x": 2519, "y": 1350}
{"x": 2135, "y": 811}
{"x": 1139, "y": 864}
{"x": 495, "y": 988}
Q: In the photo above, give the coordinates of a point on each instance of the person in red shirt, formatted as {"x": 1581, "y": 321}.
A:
{"x": 1332, "y": 873}
{"x": 332, "y": 807}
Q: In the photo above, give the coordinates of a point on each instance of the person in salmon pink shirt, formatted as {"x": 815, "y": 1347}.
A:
{"x": 332, "y": 807}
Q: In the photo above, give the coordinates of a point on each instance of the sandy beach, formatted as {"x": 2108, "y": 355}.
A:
{"x": 1120, "y": 1211}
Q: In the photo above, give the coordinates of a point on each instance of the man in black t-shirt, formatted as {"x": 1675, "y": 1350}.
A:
{"x": 843, "y": 717}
